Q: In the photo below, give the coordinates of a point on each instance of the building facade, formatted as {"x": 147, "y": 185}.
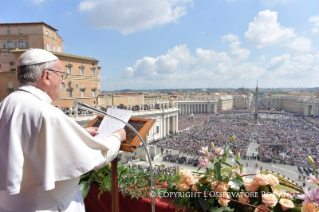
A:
{"x": 83, "y": 80}
{"x": 118, "y": 99}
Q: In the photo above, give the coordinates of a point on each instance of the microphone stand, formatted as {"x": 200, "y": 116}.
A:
{"x": 79, "y": 104}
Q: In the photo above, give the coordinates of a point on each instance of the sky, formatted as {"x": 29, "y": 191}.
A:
{"x": 159, "y": 44}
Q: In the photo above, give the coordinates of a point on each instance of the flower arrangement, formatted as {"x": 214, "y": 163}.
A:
{"x": 221, "y": 188}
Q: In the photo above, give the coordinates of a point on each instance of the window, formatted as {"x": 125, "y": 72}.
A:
{"x": 93, "y": 72}
{"x": 130, "y": 100}
{"x": 102, "y": 102}
{"x": 135, "y": 99}
{"x": 70, "y": 93}
{"x": 9, "y": 32}
{"x": 4, "y": 46}
{"x": 11, "y": 63}
{"x": 76, "y": 86}
{"x": 10, "y": 84}
{"x": 27, "y": 45}
{"x": 82, "y": 71}
{"x": 21, "y": 44}
{"x": 69, "y": 69}
{"x": 82, "y": 94}
{"x": 54, "y": 48}
{"x": 52, "y": 35}
{"x": 10, "y": 44}
{"x": 63, "y": 86}
{"x": 157, "y": 129}
{"x": 46, "y": 33}
{"x": 20, "y": 32}
{"x": 48, "y": 46}
{"x": 93, "y": 93}
{"x": 110, "y": 101}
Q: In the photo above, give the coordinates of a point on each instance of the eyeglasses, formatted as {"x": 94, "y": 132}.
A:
{"x": 64, "y": 74}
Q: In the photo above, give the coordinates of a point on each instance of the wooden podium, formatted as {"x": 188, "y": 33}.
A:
{"x": 131, "y": 143}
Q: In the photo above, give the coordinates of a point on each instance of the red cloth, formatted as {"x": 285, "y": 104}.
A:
{"x": 92, "y": 204}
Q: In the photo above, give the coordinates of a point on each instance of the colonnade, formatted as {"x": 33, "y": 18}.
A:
{"x": 312, "y": 109}
{"x": 169, "y": 124}
{"x": 197, "y": 107}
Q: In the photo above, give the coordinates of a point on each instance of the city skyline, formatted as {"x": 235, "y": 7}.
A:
{"x": 149, "y": 44}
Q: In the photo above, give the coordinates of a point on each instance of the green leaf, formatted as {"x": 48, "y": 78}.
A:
{"x": 237, "y": 182}
{"x": 217, "y": 170}
{"x": 237, "y": 161}
{"x": 85, "y": 187}
{"x": 278, "y": 208}
{"x": 239, "y": 177}
{"x": 227, "y": 151}
{"x": 224, "y": 162}
{"x": 202, "y": 203}
{"x": 203, "y": 178}
{"x": 295, "y": 209}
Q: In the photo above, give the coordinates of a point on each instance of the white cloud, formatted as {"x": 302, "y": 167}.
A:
{"x": 128, "y": 16}
{"x": 314, "y": 30}
{"x": 37, "y": 1}
{"x": 277, "y": 62}
{"x": 237, "y": 53}
{"x": 265, "y": 30}
{"x": 300, "y": 45}
{"x": 315, "y": 21}
{"x": 294, "y": 71}
{"x": 210, "y": 56}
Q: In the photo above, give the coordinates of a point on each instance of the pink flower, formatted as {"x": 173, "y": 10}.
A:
{"x": 219, "y": 151}
{"x": 286, "y": 204}
{"x": 262, "y": 207}
{"x": 272, "y": 180}
{"x": 270, "y": 200}
{"x": 250, "y": 185}
{"x": 309, "y": 207}
{"x": 310, "y": 196}
{"x": 243, "y": 197}
{"x": 237, "y": 170}
{"x": 211, "y": 156}
{"x": 203, "y": 162}
{"x": 182, "y": 186}
{"x": 313, "y": 180}
{"x": 261, "y": 179}
{"x": 204, "y": 150}
{"x": 223, "y": 201}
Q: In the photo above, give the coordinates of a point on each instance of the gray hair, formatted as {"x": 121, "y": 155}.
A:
{"x": 30, "y": 74}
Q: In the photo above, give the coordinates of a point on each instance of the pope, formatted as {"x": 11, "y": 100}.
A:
{"x": 43, "y": 152}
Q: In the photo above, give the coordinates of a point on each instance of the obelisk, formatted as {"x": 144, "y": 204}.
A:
{"x": 256, "y": 106}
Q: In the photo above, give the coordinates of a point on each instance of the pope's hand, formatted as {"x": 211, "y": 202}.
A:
{"x": 92, "y": 130}
{"x": 122, "y": 134}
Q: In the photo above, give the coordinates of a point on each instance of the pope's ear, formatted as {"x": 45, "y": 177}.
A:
{"x": 45, "y": 78}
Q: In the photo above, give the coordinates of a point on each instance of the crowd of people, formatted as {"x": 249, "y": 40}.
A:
{"x": 313, "y": 120}
{"x": 287, "y": 138}
{"x": 283, "y": 138}
{"x": 217, "y": 128}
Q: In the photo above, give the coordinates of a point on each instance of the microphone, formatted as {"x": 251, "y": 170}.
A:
{"x": 80, "y": 105}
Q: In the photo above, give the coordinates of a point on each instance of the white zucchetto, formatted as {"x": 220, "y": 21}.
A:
{"x": 35, "y": 56}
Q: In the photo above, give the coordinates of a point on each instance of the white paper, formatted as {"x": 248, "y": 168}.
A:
{"x": 110, "y": 125}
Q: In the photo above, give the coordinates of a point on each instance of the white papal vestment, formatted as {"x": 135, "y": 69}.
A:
{"x": 43, "y": 152}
